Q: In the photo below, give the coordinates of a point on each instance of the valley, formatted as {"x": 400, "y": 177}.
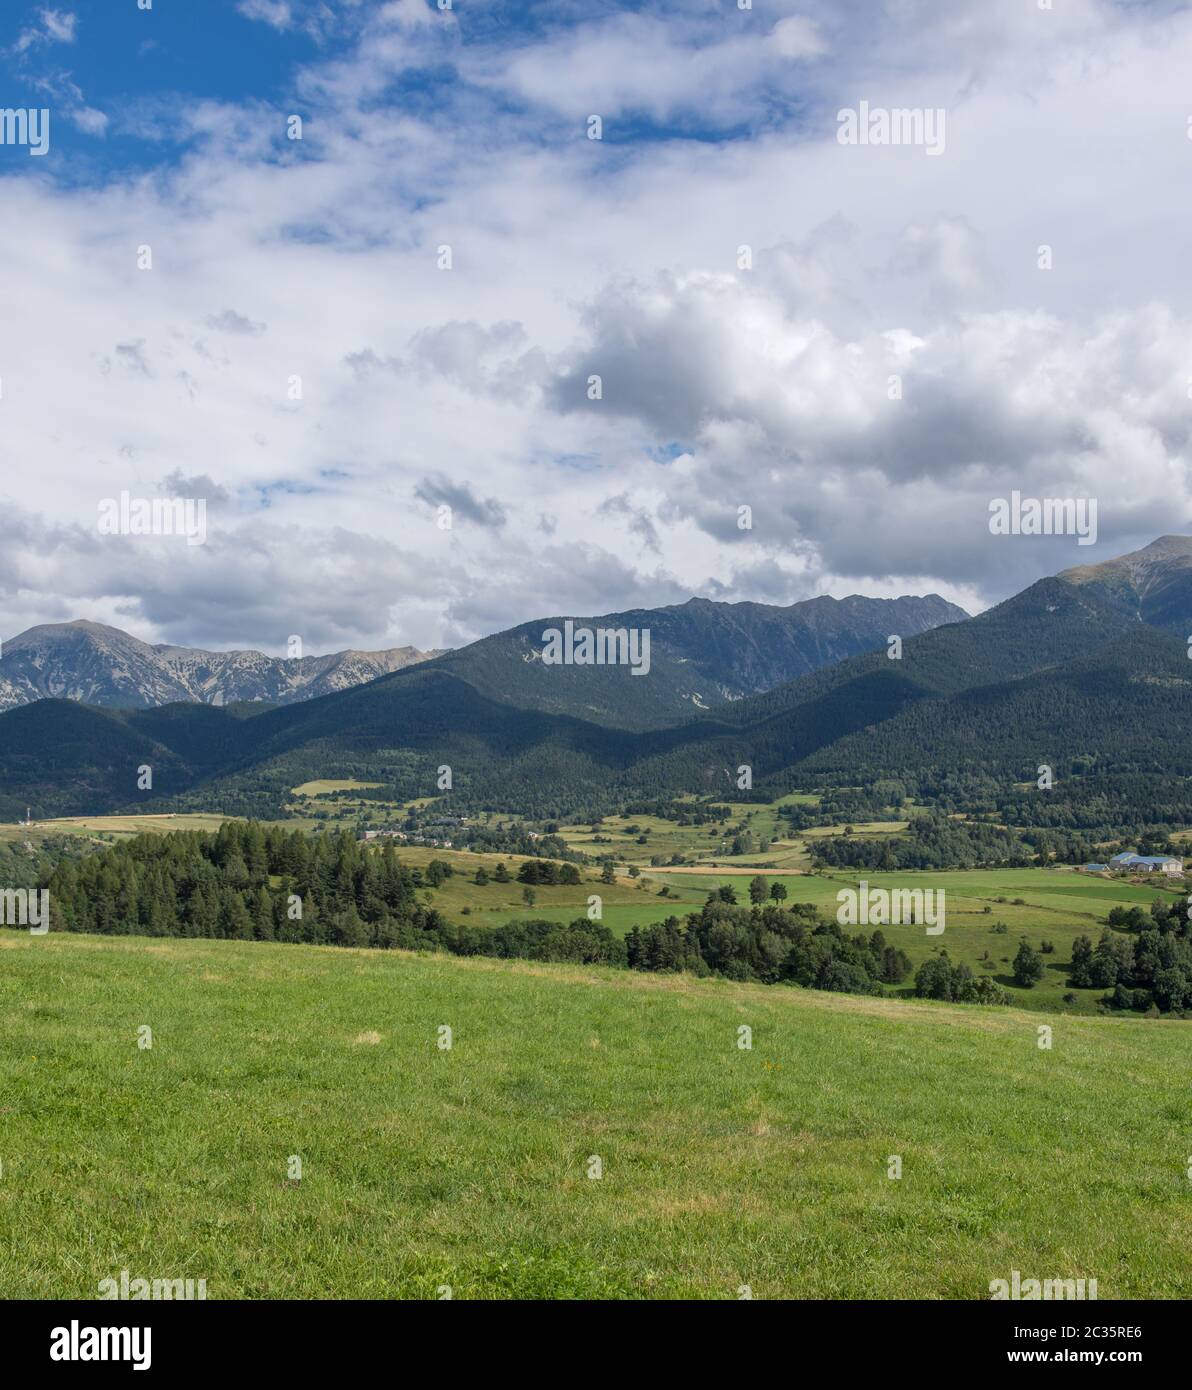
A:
{"x": 989, "y": 911}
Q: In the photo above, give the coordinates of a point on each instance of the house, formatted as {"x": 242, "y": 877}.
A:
{"x": 1095, "y": 868}
{"x": 1149, "y": 864}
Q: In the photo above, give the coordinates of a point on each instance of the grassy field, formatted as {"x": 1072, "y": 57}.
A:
{"x": 469, "y": 1168}
{"x": 1055, "y": 905}
{"x": 988, "y": 911}
{"x": 110, "y": 828}
{"x": 636, "y": 839}
{"x": 624, "y": 903}
{"x": 324, "y": 785}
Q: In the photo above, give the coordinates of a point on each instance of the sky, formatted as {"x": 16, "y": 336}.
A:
{"x": 370, "y": 350}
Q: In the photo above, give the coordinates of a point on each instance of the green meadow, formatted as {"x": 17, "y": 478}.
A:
{"x": 637, "y": 839}
{"x": 1054, "y": 904}
{"x": 987, "y": 911}
{"x": 424, "y": 1169}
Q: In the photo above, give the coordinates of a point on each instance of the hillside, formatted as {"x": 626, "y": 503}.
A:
{"x": 702, "y": 655}
{"x": 1153, "y": 585}
{"x": 101, "y": 665}
{"x": 421, "y": 1167}
{"x": 1124, "y": 704}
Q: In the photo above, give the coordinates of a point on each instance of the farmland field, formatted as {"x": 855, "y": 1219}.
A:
{"x": 469, "y": 1167}
{"x": 111, "y": 827}
{"x": 1055, "y": 905}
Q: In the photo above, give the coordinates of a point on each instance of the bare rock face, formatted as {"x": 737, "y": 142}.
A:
{"x": 101, "y": 665}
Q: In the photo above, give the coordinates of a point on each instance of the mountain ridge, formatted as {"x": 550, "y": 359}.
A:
{"x": 1068, "y": 670}
{"x": 707, "y": 652}
{"x": 102, "y": 665}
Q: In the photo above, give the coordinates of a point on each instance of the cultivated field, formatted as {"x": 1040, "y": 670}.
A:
{"x": 469, "y": 1168}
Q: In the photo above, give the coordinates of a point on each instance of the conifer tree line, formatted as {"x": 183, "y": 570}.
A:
{"x": 243, "y": 882}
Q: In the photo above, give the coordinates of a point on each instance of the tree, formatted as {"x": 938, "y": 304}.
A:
{"x": 237, "y": 924}
{"x": 778, "y": 892}
{"x": 437, "y": 871}
{"x": 482, "y": 876}
{"x": 757, "y": 890}
{"x": 983, "y": 990}
{"x": 1080, "y": 975}
{"x": 1028, "y": 966}
{"x": 1113, "y": 961}
{"x": 501, "y": 873}
{"x": 347, "y": 929}
{"x": 609, "y": 873}
{"x": 938, "y": 978}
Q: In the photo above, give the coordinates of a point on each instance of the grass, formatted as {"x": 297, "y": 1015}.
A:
{"x": 1038, "y": 905}
{"x": 469, "y": 1167}
{"x": 1055, "y": 905}
{"x": 111, "y": 828}
{"x": 621, "y": 836}
{"x": 332, "y": 784}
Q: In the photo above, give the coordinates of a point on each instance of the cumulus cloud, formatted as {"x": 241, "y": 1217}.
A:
{"x": 276, "y": 13}
{"x": 857, "y": 344}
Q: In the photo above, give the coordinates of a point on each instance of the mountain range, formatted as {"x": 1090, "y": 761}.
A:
{"x": 703, "y": 653}
{"x": 100, "y": 665}
{"x": 1087, "y": 671}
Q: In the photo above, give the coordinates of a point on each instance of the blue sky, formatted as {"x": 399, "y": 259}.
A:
{"x": 335, "y": 339}
{"x": 115, "y": 76}
{"x": 130, "y": 64}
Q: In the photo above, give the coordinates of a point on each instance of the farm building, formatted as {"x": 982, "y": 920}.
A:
{"x": 1149, "y": 864}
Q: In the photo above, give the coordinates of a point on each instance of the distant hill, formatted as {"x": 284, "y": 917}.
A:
{"x": 101, "y": 665}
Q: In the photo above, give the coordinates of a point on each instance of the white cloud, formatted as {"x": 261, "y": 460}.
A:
{"x": 56, "y": 26}
{"x": 797, "y": 37}
{"x": 276, "y": 13}
{"x": 722, "y": 386}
